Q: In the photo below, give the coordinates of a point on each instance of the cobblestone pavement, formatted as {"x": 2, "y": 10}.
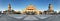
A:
{"x": 19, "y": 17}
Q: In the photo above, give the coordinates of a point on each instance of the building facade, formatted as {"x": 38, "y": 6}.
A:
{"x": 30, "y": 10}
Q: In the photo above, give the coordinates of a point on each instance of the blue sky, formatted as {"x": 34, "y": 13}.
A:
{"x": 21, "y": 4}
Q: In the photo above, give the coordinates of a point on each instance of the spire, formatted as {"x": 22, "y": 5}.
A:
{"x": 9, "y": 7}
{"x": 50, "y": 6}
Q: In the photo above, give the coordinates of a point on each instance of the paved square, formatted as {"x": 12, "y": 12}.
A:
{"x": 19, "y": 17}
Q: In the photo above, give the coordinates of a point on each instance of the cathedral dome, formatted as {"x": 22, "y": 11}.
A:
{"x": 30, "y": 7}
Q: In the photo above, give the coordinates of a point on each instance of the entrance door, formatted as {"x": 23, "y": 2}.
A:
{"x": 30, "y": 13}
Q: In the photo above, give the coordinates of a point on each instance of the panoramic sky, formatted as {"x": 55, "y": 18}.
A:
{"x": 22, "y": 4}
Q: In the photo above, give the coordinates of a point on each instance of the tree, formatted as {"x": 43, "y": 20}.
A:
{"x": 59, "y": 12}
{"x": 55, "y": 12}
{"x": 0, "y": 12}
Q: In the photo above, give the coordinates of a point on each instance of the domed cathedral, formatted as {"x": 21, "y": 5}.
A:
{"x": 30, "y": 10}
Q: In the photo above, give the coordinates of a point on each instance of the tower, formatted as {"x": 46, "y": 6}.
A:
{"x": 50, "y": 11}
{"x": 50, "y": 8}
{"x": 9, "y": 7}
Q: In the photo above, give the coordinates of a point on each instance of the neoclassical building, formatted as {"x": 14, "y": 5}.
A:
{"x": 30, "y": 10}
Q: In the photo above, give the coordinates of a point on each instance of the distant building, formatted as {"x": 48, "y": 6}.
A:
{"x": 4, "y": 12}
